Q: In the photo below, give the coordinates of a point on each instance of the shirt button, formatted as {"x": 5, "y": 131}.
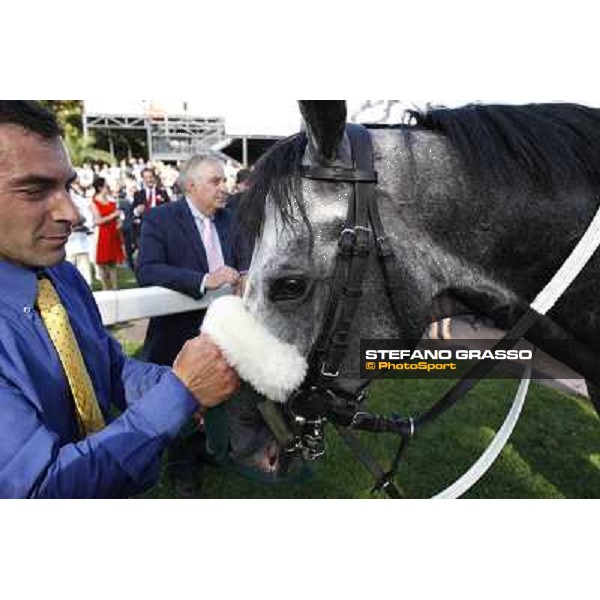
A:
{"x": 27, "y": 310}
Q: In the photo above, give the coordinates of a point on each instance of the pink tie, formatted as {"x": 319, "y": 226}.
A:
{"x": 213, "y": 255}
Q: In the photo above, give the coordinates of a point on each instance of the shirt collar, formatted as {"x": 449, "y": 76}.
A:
{"x": 18, "y": 285}
{"x": 197, "y": 214}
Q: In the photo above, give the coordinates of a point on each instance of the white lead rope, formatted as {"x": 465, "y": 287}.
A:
{"x": 563, "y": 278}
{"x": 485, "y": 461}
{"x": 544, "y": 301}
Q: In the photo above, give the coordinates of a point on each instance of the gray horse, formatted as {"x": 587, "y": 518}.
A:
{"x": 482, "y": 205}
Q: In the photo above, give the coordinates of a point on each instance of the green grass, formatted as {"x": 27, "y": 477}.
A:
{"x": 125, "y": 280}
{"x": 553, "y": 453}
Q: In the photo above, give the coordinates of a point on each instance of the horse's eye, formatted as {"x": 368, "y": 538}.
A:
{"x": 287, "y": 288}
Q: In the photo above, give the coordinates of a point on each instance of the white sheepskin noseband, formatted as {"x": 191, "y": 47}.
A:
{"x": 271, "y": 366}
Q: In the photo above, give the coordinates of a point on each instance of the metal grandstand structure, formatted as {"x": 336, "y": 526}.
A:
{"x": 169, "y": 137}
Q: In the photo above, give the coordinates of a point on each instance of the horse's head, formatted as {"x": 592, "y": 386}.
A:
{"x": 457, "y": 193}
{"x": 472, "y": 202}
{"x": 295, "y": 254}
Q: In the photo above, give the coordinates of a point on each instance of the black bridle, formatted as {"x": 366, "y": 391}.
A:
{"x": 320, "y": 399}
{"x": 354, "y": 249}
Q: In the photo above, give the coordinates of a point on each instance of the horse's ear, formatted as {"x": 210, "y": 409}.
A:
{"x": 325, "y": 121}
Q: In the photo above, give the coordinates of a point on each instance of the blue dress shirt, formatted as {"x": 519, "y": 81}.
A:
{"x": 41, "y": 453}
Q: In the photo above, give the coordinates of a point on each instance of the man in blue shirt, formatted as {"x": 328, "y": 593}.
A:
{"x": 42, "y": 450}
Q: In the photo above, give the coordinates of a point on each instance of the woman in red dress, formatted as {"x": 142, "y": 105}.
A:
{"x": 109, "y": 250}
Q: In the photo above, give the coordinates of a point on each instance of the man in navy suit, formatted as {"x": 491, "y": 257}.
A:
{"x": 187, "y": 246}
{"x": 151, "y": 195}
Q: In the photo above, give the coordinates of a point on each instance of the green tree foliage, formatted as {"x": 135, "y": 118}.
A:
{"x": 82, "y": 149}
{"x": 68, "y": 113}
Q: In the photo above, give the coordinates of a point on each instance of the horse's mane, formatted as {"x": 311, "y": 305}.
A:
{"x": 278, "y": 173}
{"x": 551, "y": 146}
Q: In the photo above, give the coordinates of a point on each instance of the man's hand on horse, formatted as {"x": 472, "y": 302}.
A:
{"x": 222, "y": 276}
{"x": 203, "y": 370}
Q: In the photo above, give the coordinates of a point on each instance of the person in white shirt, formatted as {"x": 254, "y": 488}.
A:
{"x": 78, "y": 244}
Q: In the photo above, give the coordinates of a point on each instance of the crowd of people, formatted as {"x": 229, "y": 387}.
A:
{"x": 111, "y": 200}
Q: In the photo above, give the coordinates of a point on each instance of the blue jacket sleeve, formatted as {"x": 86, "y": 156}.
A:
{"x": 120, "y": 460}
{"x": 155, "y": 261}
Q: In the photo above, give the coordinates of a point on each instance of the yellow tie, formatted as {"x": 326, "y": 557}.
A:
{"x": 56, "y": 320}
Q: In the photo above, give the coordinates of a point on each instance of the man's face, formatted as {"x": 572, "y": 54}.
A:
{"x": 208, "y": 189}
{"x": 36, "y": 210}
{"x": 149, "y": 179}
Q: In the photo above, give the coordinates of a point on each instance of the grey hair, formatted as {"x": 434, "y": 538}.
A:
{"x": 189, "y": 171}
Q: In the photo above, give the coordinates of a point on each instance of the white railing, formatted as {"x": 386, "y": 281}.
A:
{"x": 140, "y": 303}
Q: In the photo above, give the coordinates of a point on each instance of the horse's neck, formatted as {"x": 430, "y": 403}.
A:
{"x": 445, "y": 236}
{"x": 492, "y": 252}
{"x": 426, "y": 266}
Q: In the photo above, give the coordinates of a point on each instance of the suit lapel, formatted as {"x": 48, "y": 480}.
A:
{"x": 188, "y": 224}
{"x": 222, "y": 225}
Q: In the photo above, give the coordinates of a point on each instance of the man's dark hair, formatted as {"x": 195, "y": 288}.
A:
{"x": 148, "y": 170}
{"x": 30, "y": 115}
